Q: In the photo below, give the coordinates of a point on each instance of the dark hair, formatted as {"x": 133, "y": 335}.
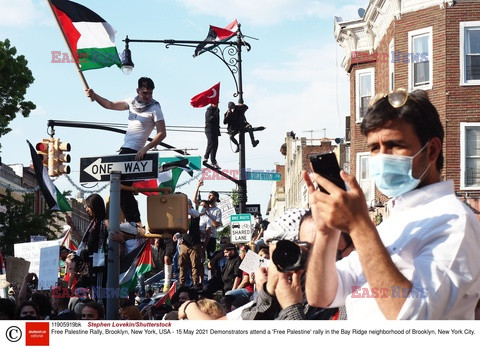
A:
{"x": 306, "y": 216}
{"x": 97, "y": 307}
{"x": 43, "y": 303}
{"x": 7, "y": 309}
{"x": 27, "y": 303}
{"x": 417, "y": 111}
{"x": 146, "y": 82}
{"x": 230, "y": 247}
{"x": 96, "y": 203}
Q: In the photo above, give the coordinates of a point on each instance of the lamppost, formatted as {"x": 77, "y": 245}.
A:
{"x": 230, "y": 53}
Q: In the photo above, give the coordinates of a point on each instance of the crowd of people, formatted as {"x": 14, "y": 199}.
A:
{"x": 327, "y": 262}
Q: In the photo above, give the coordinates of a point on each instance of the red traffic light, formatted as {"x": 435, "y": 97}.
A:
{"x": 42, "y": 146}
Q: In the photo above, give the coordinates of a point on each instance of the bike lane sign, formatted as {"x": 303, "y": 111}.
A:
{"x": 240, "y": 228}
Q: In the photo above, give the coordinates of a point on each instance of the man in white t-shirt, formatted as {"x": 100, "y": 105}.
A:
{"x": 144, "y": 114}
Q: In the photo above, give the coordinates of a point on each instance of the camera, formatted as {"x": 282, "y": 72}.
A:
{"x": 290, "y": 256}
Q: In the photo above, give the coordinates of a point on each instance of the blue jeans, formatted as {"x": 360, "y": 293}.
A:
{"x": 239, "y": 292}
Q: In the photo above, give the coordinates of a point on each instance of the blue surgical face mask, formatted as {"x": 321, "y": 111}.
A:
{"x": 201, "y": 209}
{"x": 393, "y": 173}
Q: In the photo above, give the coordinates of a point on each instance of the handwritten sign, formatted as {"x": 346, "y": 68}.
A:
{"x": 252, "y": 262}
{"x": 30, "y": 251}
{"x": 48, "y": 273}
{"x": 17, "y": 268}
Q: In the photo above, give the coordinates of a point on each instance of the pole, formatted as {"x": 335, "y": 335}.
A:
{"x": 242, "y": 183}
{"x": 74, "y": 56}
{"x": 113, "y": 266}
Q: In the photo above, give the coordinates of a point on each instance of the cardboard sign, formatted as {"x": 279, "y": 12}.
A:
{"x": 17, "y": 268}
{"x": 3, "y": 281}
{"x": 252, "y": 262}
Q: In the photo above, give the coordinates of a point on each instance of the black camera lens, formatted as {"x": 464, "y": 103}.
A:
{"x": 288, "y": 256}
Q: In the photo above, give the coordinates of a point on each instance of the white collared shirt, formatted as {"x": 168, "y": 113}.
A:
{"x": 434, "y": 240}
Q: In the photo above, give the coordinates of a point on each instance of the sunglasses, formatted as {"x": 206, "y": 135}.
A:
{"x": 396, "y": 98}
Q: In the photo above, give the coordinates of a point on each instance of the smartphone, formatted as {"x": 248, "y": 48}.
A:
{"x": 326, "y": 165}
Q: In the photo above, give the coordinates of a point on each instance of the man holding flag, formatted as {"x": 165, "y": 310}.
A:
{"x": 144, "y": 113}
{"x": 212, "y": 120}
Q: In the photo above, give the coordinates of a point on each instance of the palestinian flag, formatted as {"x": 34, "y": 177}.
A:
{"x": 167, "y": 177}
{"x": 210, "y": 96}
{"x": 167, "y": 297}
{"x": 55, "y": 200}
{"x": 137, "y": 262}
{"x": 91, "y": 39}
{"x": 216, "y": 34}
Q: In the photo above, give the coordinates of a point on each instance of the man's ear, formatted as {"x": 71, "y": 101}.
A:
{"x": 434, "y": 149}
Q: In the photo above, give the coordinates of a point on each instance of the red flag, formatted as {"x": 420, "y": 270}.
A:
{"x": 210, "y": 96}
{"x": 216, "y": 34}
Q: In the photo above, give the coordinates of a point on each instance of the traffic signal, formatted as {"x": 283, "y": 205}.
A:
{"x": 60, "y": 158}
{"x": 42, "y": 150}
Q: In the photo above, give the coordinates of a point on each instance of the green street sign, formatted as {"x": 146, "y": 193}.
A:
{"x": 264, "y": 176}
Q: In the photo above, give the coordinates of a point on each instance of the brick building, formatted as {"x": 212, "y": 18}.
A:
{"x": 419, "y": 44}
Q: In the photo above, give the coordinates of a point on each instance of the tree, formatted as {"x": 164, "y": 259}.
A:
{"x": 19, "y": 222}
{"x": 12, "y": 95}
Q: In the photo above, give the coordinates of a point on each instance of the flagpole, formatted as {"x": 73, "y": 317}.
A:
{"x": 75, "y": 58}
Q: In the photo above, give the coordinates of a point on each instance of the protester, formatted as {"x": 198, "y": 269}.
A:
{"x": 190, "y": 256}
{"x": 242, "y": 292}
{"x": 94, "y": 240}
{"x": 236, "y": 122}
{"x": 214, "y": 214}
{"x": 27, "y": 310}
{"x": 421, "y": 260}
{"x": 93, "y": 311}
{"x": 212, "y": 131}
{"x": 145, "y": 114}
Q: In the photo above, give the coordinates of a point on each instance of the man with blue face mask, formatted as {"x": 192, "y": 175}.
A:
{"x": 422, "y": 261}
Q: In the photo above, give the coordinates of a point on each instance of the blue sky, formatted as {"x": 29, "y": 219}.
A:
{"x": 292, "y": 78}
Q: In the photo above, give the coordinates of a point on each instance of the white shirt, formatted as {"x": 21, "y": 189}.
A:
{"x": 216, "y": 213}
{"x": 140, "y": 125}
{"x": 434, "y": 240}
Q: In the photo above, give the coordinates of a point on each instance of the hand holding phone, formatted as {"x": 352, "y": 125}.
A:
{"x": 326, "y": 165}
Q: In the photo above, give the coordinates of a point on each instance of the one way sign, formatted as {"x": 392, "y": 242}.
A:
{"x": 98, "y": 169}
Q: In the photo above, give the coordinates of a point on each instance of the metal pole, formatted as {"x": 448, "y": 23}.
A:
{"x": 239, "y": 58}
{"x": 113, "y": 266}
{"x": 242, "y": 184}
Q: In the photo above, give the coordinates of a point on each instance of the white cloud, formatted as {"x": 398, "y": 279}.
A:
{"x": 22, "y": 13}
{"x": 319, "y": 99}
{"x": 268, "y": 12}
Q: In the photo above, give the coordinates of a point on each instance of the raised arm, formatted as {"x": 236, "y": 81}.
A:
{"x": 120, "y": 105}
{"x": 348, "y": 212}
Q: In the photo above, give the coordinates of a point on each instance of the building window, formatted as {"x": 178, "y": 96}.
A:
{"x": 470, "y": 53}
{"x": 364, "y": 87}
{"x": 364, "y": 178}
{"x": 470, "y": 155}
{"x": 391, "y": 66}
{"x": 420, "y": 60}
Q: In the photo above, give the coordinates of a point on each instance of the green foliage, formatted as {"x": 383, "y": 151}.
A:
{"x": 19, "y": 222}
{"x": 15, "y": 78}
{"x": 234, "y": 196}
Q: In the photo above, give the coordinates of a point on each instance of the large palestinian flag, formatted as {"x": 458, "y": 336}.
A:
{"x": 137, "y": 262}
{"x": 91, "y": 39}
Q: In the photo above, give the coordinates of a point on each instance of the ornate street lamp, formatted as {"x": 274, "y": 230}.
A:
{"x": 230, "y": 53}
